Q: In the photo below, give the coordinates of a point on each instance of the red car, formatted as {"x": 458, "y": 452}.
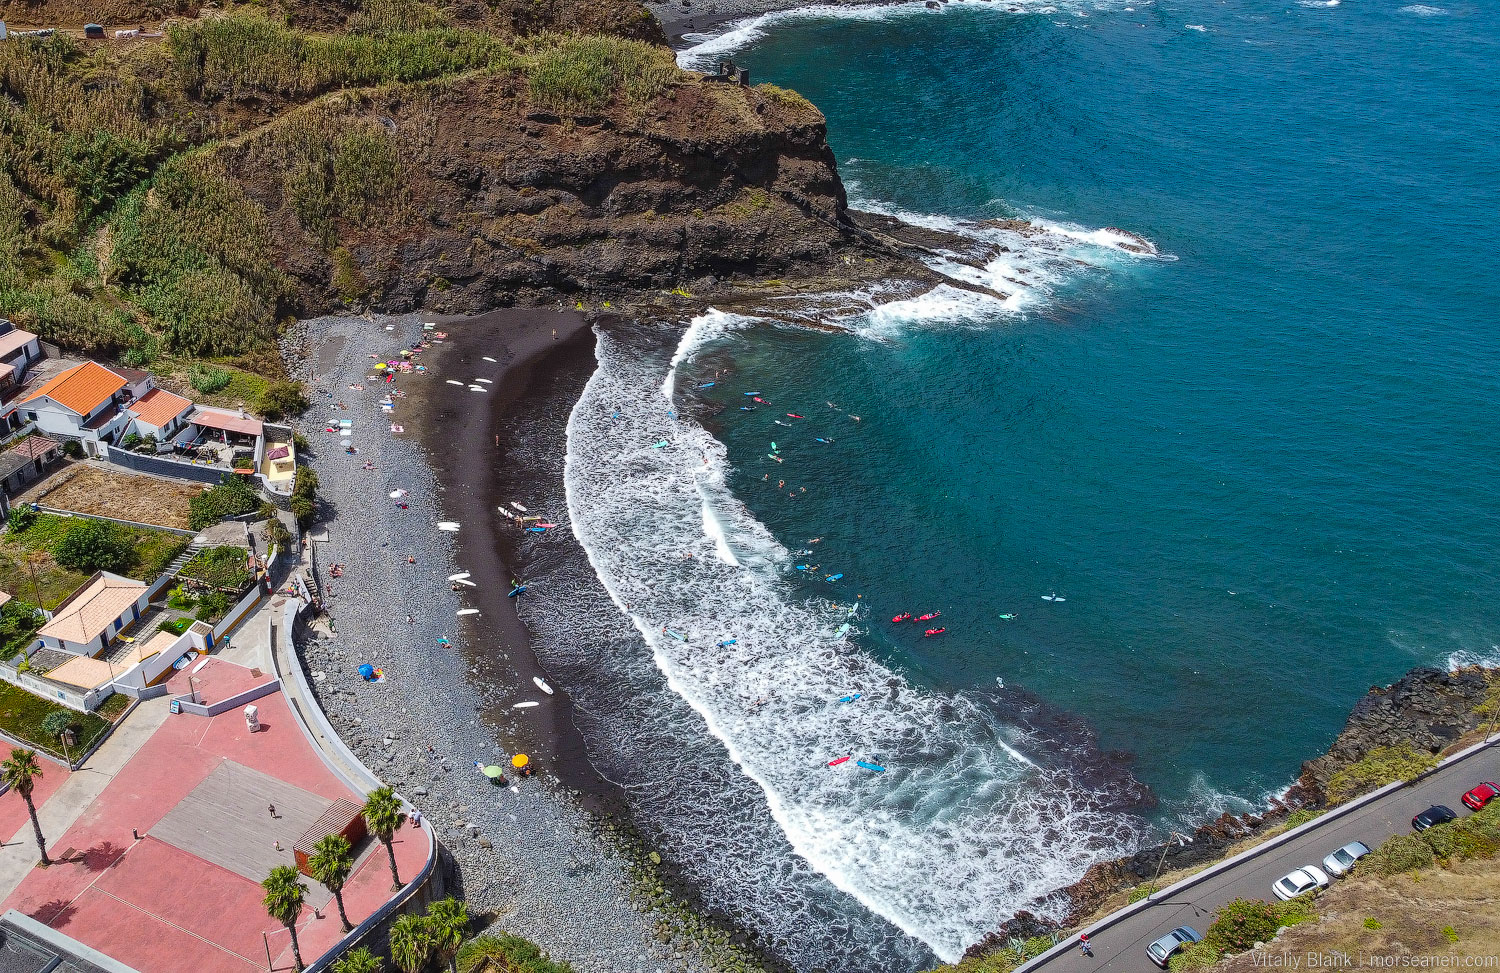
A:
{"x": 1481, "y": 795}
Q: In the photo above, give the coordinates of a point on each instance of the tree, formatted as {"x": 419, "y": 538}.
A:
{"x": 56, "y": 723}
{"x": 283, "y": 902}
{"x": 411, "y": 943}
{"x": 282, "y": 400}
{"x": 21, "y": 772}
{"x": 382, "y": 813}
{"x": 330, "y": 864}
{"x": 449, "y": 919}
{"x": 359, "y": 960}
{"x": 95, "y": 545}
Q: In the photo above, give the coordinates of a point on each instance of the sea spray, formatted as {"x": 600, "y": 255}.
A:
{"x": 962, "y": 828}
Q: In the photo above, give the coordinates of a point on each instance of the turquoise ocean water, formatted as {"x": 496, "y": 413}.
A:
{"x": 1257, "y": 467}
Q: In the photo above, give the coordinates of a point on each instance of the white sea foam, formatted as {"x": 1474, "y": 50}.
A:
{"x": 1318, "y": 3}
{"x": 1489, "y": 658}
{"x": 961, "y": 829}
{"x": 1423, "y": 10}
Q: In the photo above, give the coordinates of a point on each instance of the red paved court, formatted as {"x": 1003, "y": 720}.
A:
{"x": 13, "y": 809}
{"x": 159, "y": 908}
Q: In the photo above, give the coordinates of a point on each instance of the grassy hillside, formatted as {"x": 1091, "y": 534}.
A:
{"x": 124, "y": 235}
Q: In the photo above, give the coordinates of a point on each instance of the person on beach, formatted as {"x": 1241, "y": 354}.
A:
{"x": 1085, "y": 945}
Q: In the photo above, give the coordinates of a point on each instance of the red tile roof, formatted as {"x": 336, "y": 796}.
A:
{"x": 228, "y": 421}
{"x": 81, "y": 388}
{"x": 35, "y": 447}
{"x": 159, "y": 407}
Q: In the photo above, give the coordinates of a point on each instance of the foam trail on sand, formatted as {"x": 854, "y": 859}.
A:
{"x": 972, "y": 820}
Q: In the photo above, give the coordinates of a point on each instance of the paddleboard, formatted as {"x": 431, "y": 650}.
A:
{"x": 835, "y": 763}
{"x": 773, "y": 456}
{"x": 708, "y": 385}
{"x": 542, "y": 684}
{"x": 518, "y": 506}
{"x": 850, "y": 698}
{"x": 547, "y": 525}
{"x": 468, "y": 611}
{"x": 752, "y": 393}
{"x": 459, "y": 576}
{"x": 451, "y": 525}
{"x": 833, "y": 577}
{"x": 536, "y": 530}
{"x": 516, "y": 590}
{"x": 525, "y": 705}
{"x": 659, "y": 445}
{"x": 485, "y": 381}
{"x": 875, "y": 767}
{"x": 454, "y": 382}
{"x": 489, "y": 359}
{"x": 677, "y": 635}
{"x": 842, "y": 630}
{"x": 727, "y": 642}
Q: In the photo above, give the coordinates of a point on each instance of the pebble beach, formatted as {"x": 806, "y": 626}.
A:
{"x": 530, "y": 853}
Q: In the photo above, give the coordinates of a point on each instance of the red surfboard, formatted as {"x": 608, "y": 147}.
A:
{"x": 835, "y": 763}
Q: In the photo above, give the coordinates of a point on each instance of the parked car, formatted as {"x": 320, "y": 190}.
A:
{"x": 1342, "y": 860}
{"x": 1432, "y": 817}
{"x": 1477, "y": 798}
{"x": 1161, "y": 951}
{"x": 1300, "y": 882}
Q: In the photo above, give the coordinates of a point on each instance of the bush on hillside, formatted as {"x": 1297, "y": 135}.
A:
{"x": 1243, "y": 923}
{"x": 95, "y": 545}
{"x": 19, "y": 621}
{"x": 1381, "y": 766}
{"x": 304, "y": 502}
{"x": 21, "y": 518}
{"x": 1400, "y": 853}
{"x": 580, "y": 73}
{"x": 208, "y": 380}
{"x": 282, "y": 400}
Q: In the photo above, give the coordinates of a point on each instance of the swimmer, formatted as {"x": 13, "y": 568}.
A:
{"x": 780, "y": 484}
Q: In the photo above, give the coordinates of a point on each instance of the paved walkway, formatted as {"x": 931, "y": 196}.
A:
{"x": 1122, "y": 947}
{"x": 18, "y": 856}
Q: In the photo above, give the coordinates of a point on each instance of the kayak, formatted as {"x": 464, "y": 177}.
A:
{"x": 1007, "y": 617}
{"x": 775, "y": 448}
{"x": 752, "y": 393}
{"x": 875, "y": 767}
{"x": 708, "y": 385}
{"x": 758, "y": 399}
{"x": 773, "y": 456}
{"x": 803, "y": 567}
{"x": 835, "y": 763}
{"x": 516, "y": 590}
{"x": 780, "y": 423}
{"x": 928, "y": 617}
{"x": 933, "y": 631}
{"x": 537, "y": 530}
{"x": 676, "y": 635}
{"x": 822, "y": 440}
{"x": 547, "y": 525}
{"x": 903, "y": 617}
{"x": 659, "y": 445}
{"x": 793, "y": 415}
{"x": 727, "y": 642}
{"x": 851, "y": 698}
{"x": 747, "y": 408}
{"x": 833, "y": 577}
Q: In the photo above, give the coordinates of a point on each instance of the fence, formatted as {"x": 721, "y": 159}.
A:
{"x": 186, "y": 704}
{"x": 82, "y": 700}
{"x": 239, "y": 611}
{"x": 161, "y": 466}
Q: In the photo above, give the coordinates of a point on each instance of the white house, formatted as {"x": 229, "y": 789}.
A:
{"x": 93, "y": 615}
{"x": 82, "y": 403}
{"x": 159, "y": 413}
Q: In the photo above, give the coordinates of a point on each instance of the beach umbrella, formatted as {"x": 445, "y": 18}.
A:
{"x": 519, "y": 761}
{"x": 380, "y": 366}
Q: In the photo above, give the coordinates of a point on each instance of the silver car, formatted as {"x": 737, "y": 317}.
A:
{"x": 1161, "y": 951}
{"x": 1300, "y": 882}
{"x": 1342, "y": 860}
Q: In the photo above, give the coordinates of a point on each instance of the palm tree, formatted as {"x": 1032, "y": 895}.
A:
{"x": 21, "y": 773}
{"x": 449, "y": 919}
{"x": 411, "y": 943}
{"x": 283, "y": 902}
{"x": 383, "y": 816}
{"x": 359, "y": 960}
{"x": 330, "y": 864}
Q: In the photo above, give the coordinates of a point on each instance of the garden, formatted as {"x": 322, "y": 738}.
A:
{"x": 40, "y": 723}
{"x": 46, "y": 557}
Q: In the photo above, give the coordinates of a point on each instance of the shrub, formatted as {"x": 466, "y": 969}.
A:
{"x": 72, "y": 449}
{"x": 231, "y": 498}
{"x": 208, "y": 380}
{"x": 304, "y": 502}
{"x": 213, "y": 606}
{"x": 21, "y": 518}
{"x": 95, "y": 545}
{"x": 181, "y": 599}
{"x": 19, "y": 621}
{"x": 57, "y": 722}
{"x": 282, "y": 400}
{"x": 130, "y": 441}
{"x": 1301, "y": 816}
{"x": 512, "y": 952}
{"x": 1373, "y": 923}
{"x": 1241, "y": 924}
{"x": 1399, "y": 853}
{"x": 1195, "y": 957}
{"x": 1381, "y": 766}
{"x": 218, "y": 567}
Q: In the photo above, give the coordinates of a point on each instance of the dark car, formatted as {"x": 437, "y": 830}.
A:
{"x": 1481, "y": 795}
{"x": 1432, "y": 817}
{"x": 1161, "y": 951}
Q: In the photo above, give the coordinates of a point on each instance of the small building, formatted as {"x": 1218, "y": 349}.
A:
{"x": 234, "y": 438}
{"x": 18, "y": 349}
{"x": 159, "y": 413}
{"x": 82, "y": 403}
{"x": 23, "y": 463}
{"x": 94, "y": 615}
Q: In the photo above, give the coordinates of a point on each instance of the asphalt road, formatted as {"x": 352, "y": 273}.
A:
{"x": 1121, "y": 948}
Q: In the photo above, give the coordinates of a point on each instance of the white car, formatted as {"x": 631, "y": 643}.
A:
{"x": 1300, "y": 882}
{"x": 1342, "y": 860}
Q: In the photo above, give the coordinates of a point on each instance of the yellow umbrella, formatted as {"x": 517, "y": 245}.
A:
{"x": 519, "y": 760}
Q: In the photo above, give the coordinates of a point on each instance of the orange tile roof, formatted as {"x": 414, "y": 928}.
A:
{"x": 158, "y": 407}
{"x": 81, "y": 388}
{"x": 91, "y": 609}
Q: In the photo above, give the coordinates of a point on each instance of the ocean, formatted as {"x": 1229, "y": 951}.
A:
{"x": 1177, "y": 510}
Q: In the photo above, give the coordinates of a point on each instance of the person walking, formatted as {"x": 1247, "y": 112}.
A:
{"x": 1085, "y": 945}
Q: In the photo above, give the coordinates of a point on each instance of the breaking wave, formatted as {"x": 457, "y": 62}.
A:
{"x": 975, "y": 815}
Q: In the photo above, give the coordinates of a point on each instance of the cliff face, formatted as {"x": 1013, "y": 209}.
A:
{"x": 498, "y": 201}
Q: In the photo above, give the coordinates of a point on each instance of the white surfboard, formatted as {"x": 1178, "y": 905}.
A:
{"x": 447, "y": 525}
{"x": 459, "y": 576}
{"x": 468, "y": 611}
{"x": 542, "y": 684}
{"x": 526, "y": 705}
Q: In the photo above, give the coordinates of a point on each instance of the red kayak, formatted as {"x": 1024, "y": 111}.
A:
{"x": 793, "y": 415}
{"x": 835, "y": 763}
{"x": 933, "y": 631}
{"x": 928, "y": 617}
{"x": 903, "y": 617}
